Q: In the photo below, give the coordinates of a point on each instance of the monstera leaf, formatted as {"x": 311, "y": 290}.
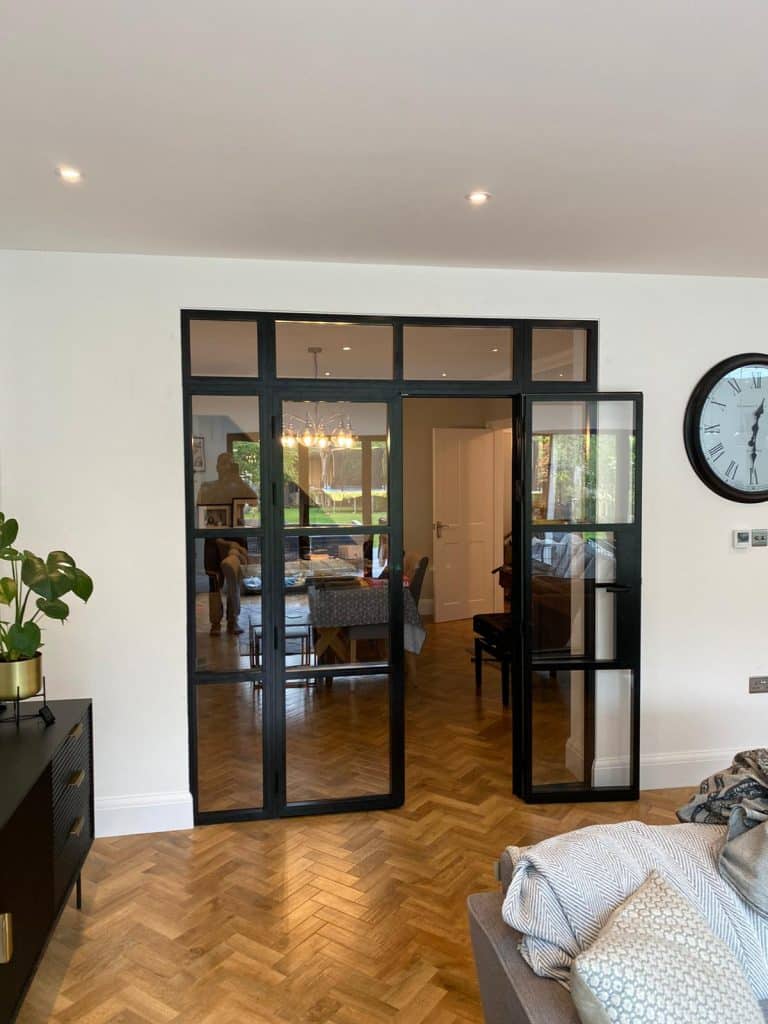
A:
{"x": 9, "y": 529}
{"x": 23, "y": 641}
{"x": 55, "y": 609}
{"x": 49, "y": 579}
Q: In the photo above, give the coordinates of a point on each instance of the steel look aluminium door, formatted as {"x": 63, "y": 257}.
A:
{"x": 338, "y": 574}
{"x": 577, "y": 729}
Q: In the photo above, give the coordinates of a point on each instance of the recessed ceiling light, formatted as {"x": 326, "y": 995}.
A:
{"x": 477, "y": 197}
{"x": 346, "y": 348}
{"x": 494, "y": 350}
{"x": 445, "y": 375}
{"x": 69, "y": 174}
{"x": 327, "y": 373}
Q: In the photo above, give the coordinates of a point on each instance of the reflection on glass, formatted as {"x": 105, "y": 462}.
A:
{"x": 335, "y": 463}
{"x": 557, "y": 747}
{"x": 226, "y": 461}
{"x": 570, "y": 615}
{"x": 439, "y": 352}
{"x": 337, "y": 739}
{"x": 337, "y": 600}
{"x": 582, "y": 728}
{"x": 224, "y": 348}
{"x": 334, "y": 350}
{"x": 229, "y": 746}
{"x": 583, "y": 462}
{"x": 228, "y": 591}
{"x": 559, "y": 353}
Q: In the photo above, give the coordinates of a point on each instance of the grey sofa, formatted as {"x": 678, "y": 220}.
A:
{"x": 511, "y": 993}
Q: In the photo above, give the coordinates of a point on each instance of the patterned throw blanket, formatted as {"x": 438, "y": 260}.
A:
{"x": 564, "y": 889}
{"x": 738, "y": 797}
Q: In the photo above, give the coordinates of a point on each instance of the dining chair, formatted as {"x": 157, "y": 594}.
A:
{"x": 380, "y": 630}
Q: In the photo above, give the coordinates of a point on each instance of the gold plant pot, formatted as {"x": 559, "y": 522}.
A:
{"x": 21, "y": 678}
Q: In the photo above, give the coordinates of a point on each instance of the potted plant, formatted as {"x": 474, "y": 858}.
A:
{"x": 48, "y": 580}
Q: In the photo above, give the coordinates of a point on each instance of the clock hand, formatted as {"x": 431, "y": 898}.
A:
{"x": 752, "y": 443}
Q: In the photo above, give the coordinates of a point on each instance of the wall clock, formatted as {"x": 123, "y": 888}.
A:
{"x": 726, "y": 428}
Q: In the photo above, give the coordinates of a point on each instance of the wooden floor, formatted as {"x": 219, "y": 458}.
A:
{"x": 346, "y": 919}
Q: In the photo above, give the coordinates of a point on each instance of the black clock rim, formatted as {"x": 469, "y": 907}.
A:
{"x": 691, "y": 432}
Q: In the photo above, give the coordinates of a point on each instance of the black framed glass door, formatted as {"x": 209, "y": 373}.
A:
{"x": 298, "y": 611}
{"x": 338, "y": 637}
{"x": 578, "y": 709}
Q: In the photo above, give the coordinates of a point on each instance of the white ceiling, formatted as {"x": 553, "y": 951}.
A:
{"x": 627, "y": 135}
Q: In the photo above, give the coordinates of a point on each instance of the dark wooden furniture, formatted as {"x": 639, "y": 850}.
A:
{"x": 497, "y": 636}
{"x": 46, "y": 831}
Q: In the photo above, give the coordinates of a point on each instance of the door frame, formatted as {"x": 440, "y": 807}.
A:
{"x": 627, "y": 655}
{"x": 270, "y": 390}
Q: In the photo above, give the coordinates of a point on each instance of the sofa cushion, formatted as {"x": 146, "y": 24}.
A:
{"x": 657, "y": 960}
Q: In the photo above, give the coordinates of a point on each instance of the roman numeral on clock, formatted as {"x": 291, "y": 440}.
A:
{"x": 721, "y": 404}
{"x": 717, "y": 451}
{"x": 733, "y": 468}
{"x": 735, "y": 385}
{"x": 713, "y": 429}
{"x": 753, "y": 476}
{"x": 757, "y": 381}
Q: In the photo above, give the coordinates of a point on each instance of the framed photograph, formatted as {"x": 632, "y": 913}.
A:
{"x": 245, "y": 512}
{"x": 198, "y": 454}
{"x": 214, "y": 517}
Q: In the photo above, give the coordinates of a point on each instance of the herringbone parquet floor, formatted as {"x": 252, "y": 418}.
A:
{"x": 346, "y": 919}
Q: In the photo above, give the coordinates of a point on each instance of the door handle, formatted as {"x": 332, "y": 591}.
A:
{"x": 617, "y": 588}
{"x": 439, "y": 527}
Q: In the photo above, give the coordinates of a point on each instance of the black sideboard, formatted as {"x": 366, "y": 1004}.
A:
{"x": 46, "y": 831}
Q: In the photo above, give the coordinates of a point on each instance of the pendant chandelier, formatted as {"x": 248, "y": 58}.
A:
{"x": 312, "y": 431}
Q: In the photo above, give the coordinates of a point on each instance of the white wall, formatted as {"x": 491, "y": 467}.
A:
{"x": 91, "y": 460}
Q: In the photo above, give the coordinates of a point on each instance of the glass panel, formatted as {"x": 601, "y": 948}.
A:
{"x": 559, "y": 353}
{"x": 337, "y": 350}
{"x": 228, "y": 594}
{"x": 224, "y": 348}
{"x": 335, "y": 463}
{"x": 337, "y": 600}
{"x": 582, "y": 728}
{"x": 457, "y": 353}
{"x": 570, "y": 616}
{"x": 337, "y": 738}
{"x": 229, "y": 746}
{"x": 226, "y": 461}
{"x": 583, "y": 462}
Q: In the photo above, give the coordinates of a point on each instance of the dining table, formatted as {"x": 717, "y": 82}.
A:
{"x": 362, "y": 602}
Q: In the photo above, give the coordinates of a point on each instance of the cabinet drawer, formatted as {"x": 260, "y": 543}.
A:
{"x": 74, "y": 803}
{"x": 76, "y": 838}
{"x": 73, "y": 758}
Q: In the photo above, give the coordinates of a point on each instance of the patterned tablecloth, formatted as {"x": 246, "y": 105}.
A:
{"x": 337, "y": 607}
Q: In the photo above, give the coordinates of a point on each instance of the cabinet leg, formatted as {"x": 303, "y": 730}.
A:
{"x": 79, "y": 891}
{"x": 478, "y": 667}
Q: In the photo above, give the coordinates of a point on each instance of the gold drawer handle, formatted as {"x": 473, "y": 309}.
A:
{"x": 77, "y": 826}
{"x": 6, "y": 938}
{"x": 76, "y": 731}
{"x": 76, "y": 779}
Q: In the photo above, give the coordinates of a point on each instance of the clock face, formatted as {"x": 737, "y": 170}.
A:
{"x": 727, "y": 428}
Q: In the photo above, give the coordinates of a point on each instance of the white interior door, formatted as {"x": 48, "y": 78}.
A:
{"x": 463, "y": 522}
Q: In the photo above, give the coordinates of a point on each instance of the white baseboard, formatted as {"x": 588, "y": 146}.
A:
{"x": 682, "y": 767}
{"x": 427, "y": 606}
{"x": 662, "y": 771}
{"x": 143, "y": 812}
